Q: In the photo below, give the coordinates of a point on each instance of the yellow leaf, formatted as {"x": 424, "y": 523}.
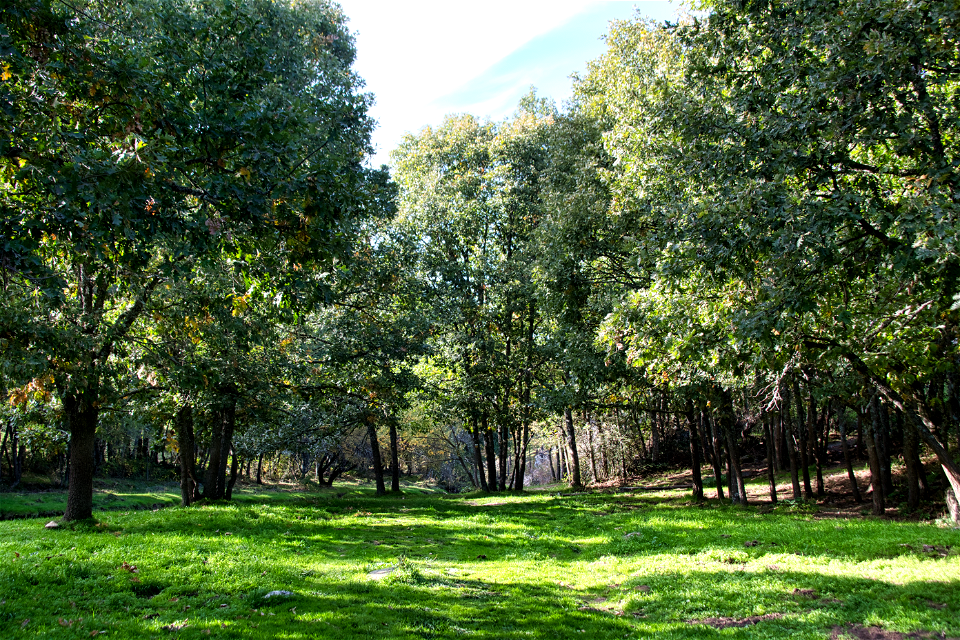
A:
{"x": 6, "y": 75}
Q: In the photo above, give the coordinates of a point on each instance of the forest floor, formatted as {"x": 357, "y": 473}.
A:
{"x": 836, "y": 502}
{"x": 546, "y": 564}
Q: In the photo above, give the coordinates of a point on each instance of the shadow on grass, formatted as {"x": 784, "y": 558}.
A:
{"x": 424, "y": 606}
{"x": 539, "y": 559}
{"x": 560, "y": 529}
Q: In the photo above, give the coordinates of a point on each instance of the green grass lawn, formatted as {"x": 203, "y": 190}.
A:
{"x": 541, "y": 565}
{"x": 124, "y": 495}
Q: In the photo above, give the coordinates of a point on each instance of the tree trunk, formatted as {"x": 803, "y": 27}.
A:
{"x": 768, "y": 438}
{"x": 234, "y": 469}
{"x": 779, "y": 462}
{"x": 22, "y": 459}
{"x": 183, "y": 423}
{"x": 230, "y": 423}
{"x": 730, "y": 427}
{"x": 604, "y": 450}
{"x": 213, "y": 459}
{"x": 260, "y": 469}
{"x": 502, "y": 437}
{"x": 695, "y": 462}
{"x": 813, "y": 439}
{"x": 705, "y": 443}
{"x": 14, "y": 459}
{"x": 911, "y": 443}
{"x": 394, "y": 458}
{"x": 82, "y": 413}
{"x": 588, "y": 423}
{"x": 847, "y": 459}
{"x": 734, "y": 452}
{"x": 876, "y": 479}
{"x": 477, "y": 458}
{"x": 375, "y": 452}
{"x": 523, "y": 451}
{"x": 785, "y": 422}
{"x": 221, "y": 443}
{"x": 717, "y": 455}
{"x": 572, "y": 456}
{"x": 801, "y": 431}
{"x": 654, "y": 438}
{"x": 488, "y": 436}
{"x": 3, "y": 444}
{"x": 882, "y": 441}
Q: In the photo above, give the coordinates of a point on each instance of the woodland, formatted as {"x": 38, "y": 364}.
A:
{"x": 735, "y": 249}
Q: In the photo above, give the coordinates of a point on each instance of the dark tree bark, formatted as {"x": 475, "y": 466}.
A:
{"x": 234, "y": 472}
{"x": 221, "y": 442}
{"x": 914, "y": 406}
{"x": 780, "y": 461}
{"x": 477, "y": 457}
{"x": 213, "y": 461}
{"x": 654, "y": 438}
{"x": 467, "y": 470}
{"x": 882, "y": 442}
{"x": 82, "y": 414}
{"x": 502, "y": 437}
{"x": 785, "y": 425}
{"x": 604, "y": 457}
{"x": 813, "y": 439}
{"x": 183, "y": 423}
{"x": 394, "y": 458}
{"x": 847, "y": 459}
{"x": 638, "y": 428}
{"x": 717, "y": 455}
{"x": 525, "y": 396}
{"x": 771, "y": 455}
{"x": 911, "y": 444}
{"x": 523, "y": 449}
{"x": 226, "y": 445}
{"x": 488, "y": 436}
{"x": 375, "y": 452}
{"x": 729, "y": 427}
{"x": 588, "y": 424}
{"x": 572, "y": 456}
{"x": 260, "y": 469}
{"x": 876, "y": 479}
{"x": 563, "y": 466}
{"x": 705, "y": 442}
{"x": 801, "y": 431}
{"x": 3, "y": 443}
{"x": 695, "y": 461}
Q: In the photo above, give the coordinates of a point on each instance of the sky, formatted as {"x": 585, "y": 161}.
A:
{"x": 423, "y": 59}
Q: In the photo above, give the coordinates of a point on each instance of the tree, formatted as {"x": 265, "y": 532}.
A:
{"x": 470, "y": 192}
{"x": 800, "y": 161}
{"x": 149, "y": 137}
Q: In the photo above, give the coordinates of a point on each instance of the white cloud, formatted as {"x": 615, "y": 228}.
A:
{"x": 420, "y": 57}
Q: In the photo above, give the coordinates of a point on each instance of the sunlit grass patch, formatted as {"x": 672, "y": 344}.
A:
{"x": 539, "y": 566}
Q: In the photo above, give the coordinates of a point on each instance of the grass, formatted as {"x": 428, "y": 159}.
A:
{"x": 542, "y": 565}
{"x": 125, "y": 495}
